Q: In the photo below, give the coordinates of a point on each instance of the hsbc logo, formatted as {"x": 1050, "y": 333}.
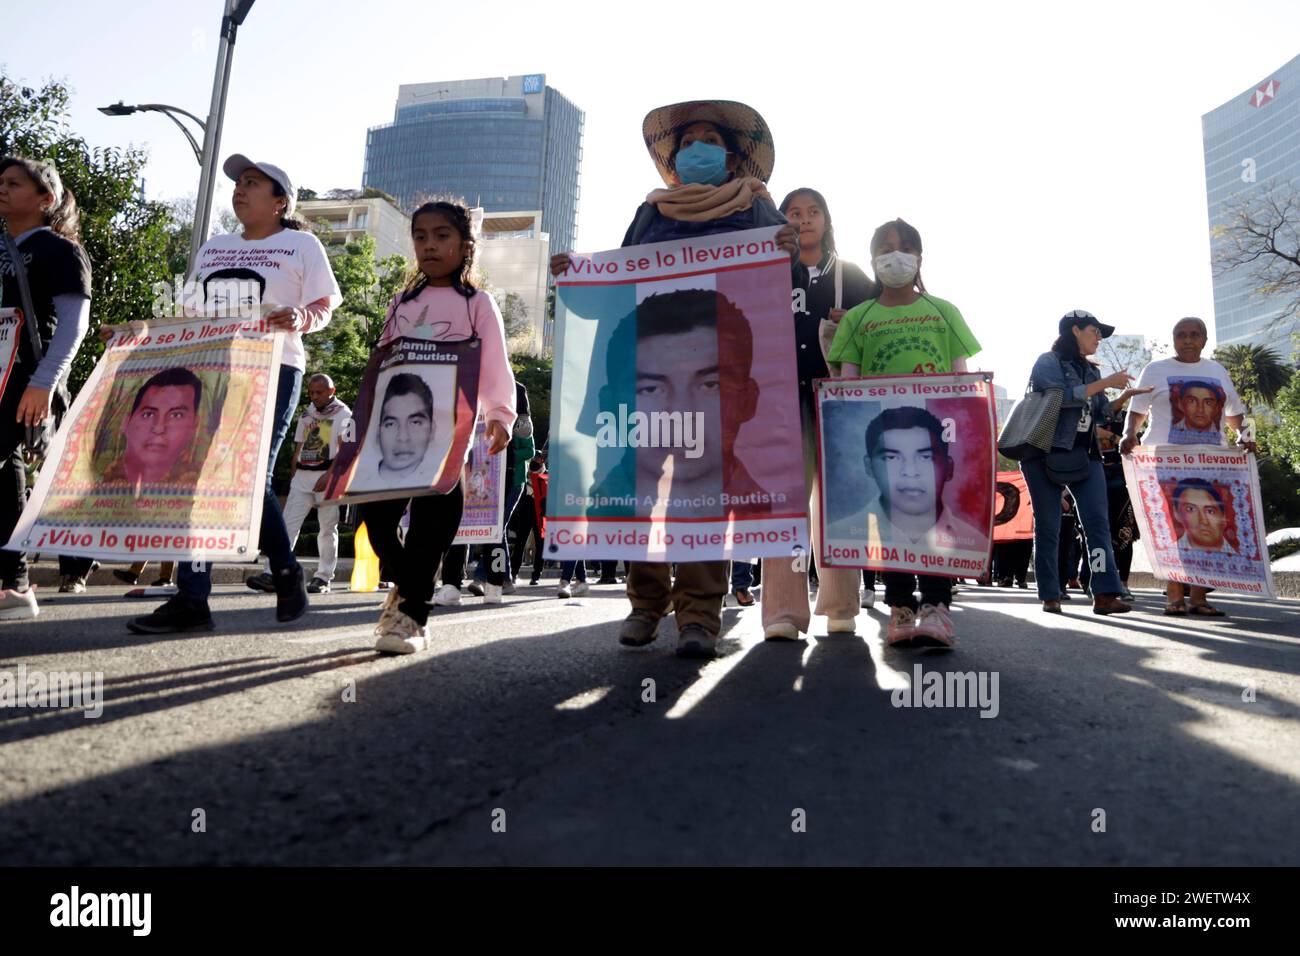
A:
{"x": 1264, "y": 94}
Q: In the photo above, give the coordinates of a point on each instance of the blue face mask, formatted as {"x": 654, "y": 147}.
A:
{"x": 702, "y": 162}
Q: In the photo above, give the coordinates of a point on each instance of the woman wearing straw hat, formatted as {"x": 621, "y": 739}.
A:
{"x": 715, "y": 158}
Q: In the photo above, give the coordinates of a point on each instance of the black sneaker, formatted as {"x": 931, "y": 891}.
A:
{"x": 178, "y": 614}
{"x": 290, "y": 594}
{"x": 261, "y": 582}
{"x": 318, "y": 586}
{"x": 475, "y": 588}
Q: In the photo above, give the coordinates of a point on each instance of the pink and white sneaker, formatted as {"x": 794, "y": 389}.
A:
{"x": 902, "y": 627}
{"x": 934, "y": 627}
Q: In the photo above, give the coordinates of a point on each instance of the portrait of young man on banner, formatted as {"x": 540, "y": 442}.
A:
{"x": 675, "y": 419}
{"x": 907, "y": 473}
{"x": 163, "y": 454}
{"x": 1200, "y": 516}
{"x": 484, "y": 486}
{"x": 413, "y": 422}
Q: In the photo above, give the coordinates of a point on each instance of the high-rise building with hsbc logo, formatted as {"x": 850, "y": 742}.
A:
{"x": 1252, "y": 147}
{"x": 504, "y": 144}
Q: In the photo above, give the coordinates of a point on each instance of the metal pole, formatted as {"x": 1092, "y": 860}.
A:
{"x": 212, "y": 136}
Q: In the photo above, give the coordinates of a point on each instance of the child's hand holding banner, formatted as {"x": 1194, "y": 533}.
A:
{"x": 907, "y": 473}
{"x": 1199, "y": 512}
{"x": 675, "y": 411}
{"x": 163, "y": 454}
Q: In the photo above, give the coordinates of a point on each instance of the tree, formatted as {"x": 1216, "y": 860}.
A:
{"x": 342, "y": 349}
{"x": 534, "y": 373}
{"x": 1262, "y": 235}
{"x": 514, "y": 314}
{"x": 1258, "y": 372}
{"x": 124, "y": 235}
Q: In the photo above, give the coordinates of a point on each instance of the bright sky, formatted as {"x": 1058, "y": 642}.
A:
{"x": 1050, "y": 154}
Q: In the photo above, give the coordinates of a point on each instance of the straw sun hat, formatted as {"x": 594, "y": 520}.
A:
{"x": 754, "y": 139}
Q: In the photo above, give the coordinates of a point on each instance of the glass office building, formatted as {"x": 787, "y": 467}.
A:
{"x": 1252, "y": 143}
{"x": 504, "y": 143}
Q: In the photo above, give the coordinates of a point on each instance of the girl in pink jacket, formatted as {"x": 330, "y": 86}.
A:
{"x": 441, "y": 304}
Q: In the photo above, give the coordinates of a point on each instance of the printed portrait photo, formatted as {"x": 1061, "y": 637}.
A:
{"x": 157, "y": 430}
{"x": 410, "y": 430}
{"x": 1196, "y": 411}
{"x": 1204, "y": 518}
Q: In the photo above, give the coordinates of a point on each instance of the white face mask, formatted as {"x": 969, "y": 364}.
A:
{"x": 896, "y": 269}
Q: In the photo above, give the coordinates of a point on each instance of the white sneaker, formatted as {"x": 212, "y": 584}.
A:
{"x": 401, "y": 635}
{"x": 841, "y": 625}
{"x": 387, "y": 611}
{"x": 781, "y": 632}
{"x": 869, "y": 598}
{"x": 492, "y": 594}
{"x": 579, "y": 588}
{"x": 563, "y": 592}
{"x": 446, "y": 596}
{"x": 18, "y": 605}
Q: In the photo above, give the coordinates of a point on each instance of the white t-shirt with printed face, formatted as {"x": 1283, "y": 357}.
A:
{"x": 292, "y": 264}
{"x": 1189, "y": 404}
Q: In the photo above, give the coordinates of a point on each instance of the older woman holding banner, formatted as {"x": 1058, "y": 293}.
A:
{"x": 1187, "y": 400}
{"x": 715, "y": 158}
{"x": 283, "y": 261}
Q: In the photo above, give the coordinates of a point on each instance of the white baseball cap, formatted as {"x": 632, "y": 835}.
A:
{"x": 236, "y": 163}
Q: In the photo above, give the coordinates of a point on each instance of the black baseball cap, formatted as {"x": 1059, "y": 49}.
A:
{"x": 1082, "y": 319}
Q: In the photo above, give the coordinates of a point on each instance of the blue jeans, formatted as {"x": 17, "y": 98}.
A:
{"x": 194, "y": 578}
{"x": 742, "y": 575}
{"x": 568, "y": 569}
{"x": 1093, "y": 510}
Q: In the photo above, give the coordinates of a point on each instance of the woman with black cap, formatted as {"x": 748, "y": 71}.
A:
{"x": 715, "y": 158}
{"x": 1074, "y": 462}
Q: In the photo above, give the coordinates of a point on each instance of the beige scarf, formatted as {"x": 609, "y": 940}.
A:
{"x": 700, "y": 202}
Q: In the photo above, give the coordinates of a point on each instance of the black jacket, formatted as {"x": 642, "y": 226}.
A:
{"x": 819, "y": 299}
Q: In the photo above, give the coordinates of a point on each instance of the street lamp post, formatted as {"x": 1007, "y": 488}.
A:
{"x": 121, "y": 109}
{"x": 235, "y": 13}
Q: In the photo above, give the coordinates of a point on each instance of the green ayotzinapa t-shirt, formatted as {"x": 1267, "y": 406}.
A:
{"x": 918, "y": 339}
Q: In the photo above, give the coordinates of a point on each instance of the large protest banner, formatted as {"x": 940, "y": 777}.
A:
{"x": 907, "y": 473}
{"x": 163, "y": 455}
{"x": 484, "y": 485}
{"x": 1013, "y": 514}
{"x": 674, "y": 411}
{"x": 1199, "y": 513}
{"x": 413, "y": 422}
{"x": 11, "y": 326}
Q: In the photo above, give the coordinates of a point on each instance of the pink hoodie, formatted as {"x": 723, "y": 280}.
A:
{"x": 441, "y": 313}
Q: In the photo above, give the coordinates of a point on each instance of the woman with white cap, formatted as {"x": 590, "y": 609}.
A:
{"x": 715, "y": 158}
{"x": 291, "y": 271}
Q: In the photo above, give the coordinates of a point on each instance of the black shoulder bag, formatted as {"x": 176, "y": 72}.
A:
{"x": 38, "y": 436}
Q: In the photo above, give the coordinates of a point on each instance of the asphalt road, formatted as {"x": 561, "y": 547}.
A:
{"x": 525, "y": 737}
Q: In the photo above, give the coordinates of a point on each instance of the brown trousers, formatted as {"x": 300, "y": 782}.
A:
{"x": 695, "y": 595}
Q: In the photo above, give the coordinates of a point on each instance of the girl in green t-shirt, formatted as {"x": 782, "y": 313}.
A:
{"x": 903, "y": 330}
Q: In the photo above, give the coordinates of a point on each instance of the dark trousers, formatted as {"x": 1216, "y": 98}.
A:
{"x": 434, "y": 520}
{"x": 494, "y": 561}
{"x": 899, "y": 588}
{"x": 1090, "y": 502}
{"x": 75, "y": 567}
{"x": 523, "y": 525}
{"x": 194, "y": 578}
{"x": 1011, "y": 560}
{"x": 13, "y": 480}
